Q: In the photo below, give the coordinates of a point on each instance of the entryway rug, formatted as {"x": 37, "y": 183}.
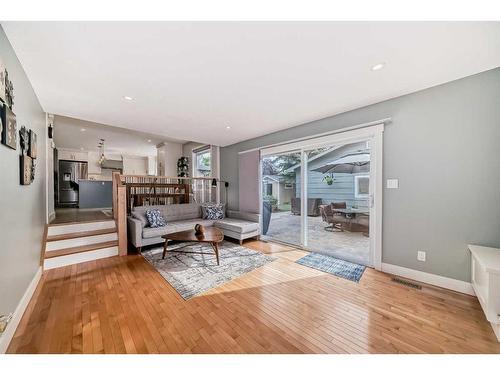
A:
{"x": 192, "y": 274}
{"x": 337, "y": 267}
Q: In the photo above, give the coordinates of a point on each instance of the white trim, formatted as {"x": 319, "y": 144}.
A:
{"x": 356, "y": 186}
{"x": 429, "y": 278}
{"x": 341, "y": 130}
{"x": 7, "y": 336}
{"x": 52, "y": 216}
{"x": 66, "y": 260}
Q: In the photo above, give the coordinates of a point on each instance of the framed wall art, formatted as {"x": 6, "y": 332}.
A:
{"x": 32, "y": 149}
{"x": 26, "y": 169}
{"x": 9, "y": 127}
{"x": 2, "y": 81}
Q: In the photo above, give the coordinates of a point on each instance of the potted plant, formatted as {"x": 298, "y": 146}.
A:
{"x": 328, "y": 179}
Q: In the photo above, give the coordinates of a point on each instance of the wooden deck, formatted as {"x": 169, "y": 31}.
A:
{"x": 122, "y": 305}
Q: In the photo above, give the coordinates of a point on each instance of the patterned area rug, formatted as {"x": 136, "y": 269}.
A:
{"x": 192, "y": 274}
{"x": 337, "y": 267}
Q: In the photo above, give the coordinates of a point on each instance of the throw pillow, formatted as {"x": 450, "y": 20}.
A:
{"x": 155, "y": 218}
{"x": 213, "y": 211}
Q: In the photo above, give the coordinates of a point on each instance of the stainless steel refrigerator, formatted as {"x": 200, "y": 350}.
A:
{"x": 70, "y": 174}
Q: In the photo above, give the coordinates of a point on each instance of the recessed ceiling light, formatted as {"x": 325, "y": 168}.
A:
{"x": 378, "y": 66}
{"x": 149, "y": 140}
{"x": 228, "y": 127}
{"x": 82, "y": 129}
{"x": 81, "y": 148}
{"x": 127, "y": 98}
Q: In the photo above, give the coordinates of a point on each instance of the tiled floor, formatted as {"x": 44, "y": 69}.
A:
{"x": 72, "y": 215}
{"x": 351, "y": 246}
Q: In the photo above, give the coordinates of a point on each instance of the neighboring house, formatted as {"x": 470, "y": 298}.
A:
{"x": 346, "y": 187}
{"x": 280, "y": 187}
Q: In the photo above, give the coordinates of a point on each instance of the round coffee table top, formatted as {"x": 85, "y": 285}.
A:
{"x": 210, "y": 234}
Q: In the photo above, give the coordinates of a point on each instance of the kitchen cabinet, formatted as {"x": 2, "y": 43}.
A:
{"x": 72, "y": 155}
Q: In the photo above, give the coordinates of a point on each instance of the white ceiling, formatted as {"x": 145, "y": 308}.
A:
{"x": 190, "y": 80}
{"x": 68, "y": 134}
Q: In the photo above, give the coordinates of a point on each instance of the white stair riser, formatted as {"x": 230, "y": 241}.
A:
{"x": 83, "y": 227}
{"x": 80, "y": 241}
{"x": 87, "y": 256}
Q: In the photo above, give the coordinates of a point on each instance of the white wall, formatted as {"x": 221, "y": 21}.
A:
{"x": 135, "y": 165}
{"x": 167, "y": 155}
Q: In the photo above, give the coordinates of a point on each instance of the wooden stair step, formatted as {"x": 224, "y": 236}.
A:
{"x": 79, "y": 249}
{"x": 68, "y": 236}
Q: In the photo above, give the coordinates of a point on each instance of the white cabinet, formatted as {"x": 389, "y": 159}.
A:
{"x": 485, "y": 278}
{"x": 72, "y": 155}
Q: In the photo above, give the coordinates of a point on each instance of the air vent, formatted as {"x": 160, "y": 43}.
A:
{"x": 406, "y": 283}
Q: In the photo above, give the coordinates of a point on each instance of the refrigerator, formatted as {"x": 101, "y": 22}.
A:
{"x": 70, "y": 174}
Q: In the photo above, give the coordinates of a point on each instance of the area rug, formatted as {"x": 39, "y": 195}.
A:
{"x": 192, "y": 274}
{"x": 337, "y": 267}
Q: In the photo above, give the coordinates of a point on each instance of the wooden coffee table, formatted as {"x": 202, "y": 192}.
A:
{"x": 211, "y": 235}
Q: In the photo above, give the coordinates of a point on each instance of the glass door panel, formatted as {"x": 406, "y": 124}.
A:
{"x": 337, "y": 190}
{"x": 281, "y": 210}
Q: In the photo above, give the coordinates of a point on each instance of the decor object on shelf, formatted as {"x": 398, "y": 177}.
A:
{"x": 183, "y": 167}
{"x": 9, "y": 91}
{"x": 2, "y": 81}
{"x": 9, "y": 127}
{"x": 32, "y": 149}
{"x": 199, "y": 229}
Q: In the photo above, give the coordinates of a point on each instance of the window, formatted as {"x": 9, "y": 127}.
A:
{"x": 269, "y": 189}
{"x": 361, "y": 186}
{"x": 202, "y": 162}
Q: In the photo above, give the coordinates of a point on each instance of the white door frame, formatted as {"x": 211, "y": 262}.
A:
{"x": 373, "y": 134}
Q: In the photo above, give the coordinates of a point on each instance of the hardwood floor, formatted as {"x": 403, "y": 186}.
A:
{"x": 122, "y": 305}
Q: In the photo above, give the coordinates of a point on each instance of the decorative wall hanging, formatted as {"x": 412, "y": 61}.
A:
{"x": 9, "y": 91}
{"x": 2, "y": 81}
{"x": 32, "y": 149}
{"x": 26, "y": 163}
{"x": 9, "y": 127}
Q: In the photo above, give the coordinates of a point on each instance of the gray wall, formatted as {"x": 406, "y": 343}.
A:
{"x": 22, "y": 216}
{"x": 443, "y": 147}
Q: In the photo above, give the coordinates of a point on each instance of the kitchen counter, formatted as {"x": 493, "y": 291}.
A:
{"x": 95, "y": 194}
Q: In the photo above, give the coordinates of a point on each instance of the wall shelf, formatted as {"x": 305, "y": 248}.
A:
{"x": 485, "y": 278}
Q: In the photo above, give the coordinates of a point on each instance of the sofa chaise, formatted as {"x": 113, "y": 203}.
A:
{"x": 238, "y": 225}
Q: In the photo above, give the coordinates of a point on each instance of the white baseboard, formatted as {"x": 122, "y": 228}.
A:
{"x": 18, "y": 314}
{"x": 429, "y": 278}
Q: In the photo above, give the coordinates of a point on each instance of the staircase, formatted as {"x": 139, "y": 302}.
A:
{"x": 73, "y": 243}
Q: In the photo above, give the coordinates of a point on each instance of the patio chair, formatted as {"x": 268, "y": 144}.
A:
{"x": 312, "y": 206}
{"x": 335, "y": 219}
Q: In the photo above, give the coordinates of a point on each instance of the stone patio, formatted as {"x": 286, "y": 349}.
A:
{"x": 351, "y": 246}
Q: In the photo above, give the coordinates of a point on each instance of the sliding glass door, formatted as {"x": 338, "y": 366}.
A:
{"x": 281, "y": 209}
{"x": 337, "y": 190}
{"x": 325, "y": 195}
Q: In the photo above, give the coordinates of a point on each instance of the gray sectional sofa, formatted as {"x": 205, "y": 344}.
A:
{"x": 238, "y": 225}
